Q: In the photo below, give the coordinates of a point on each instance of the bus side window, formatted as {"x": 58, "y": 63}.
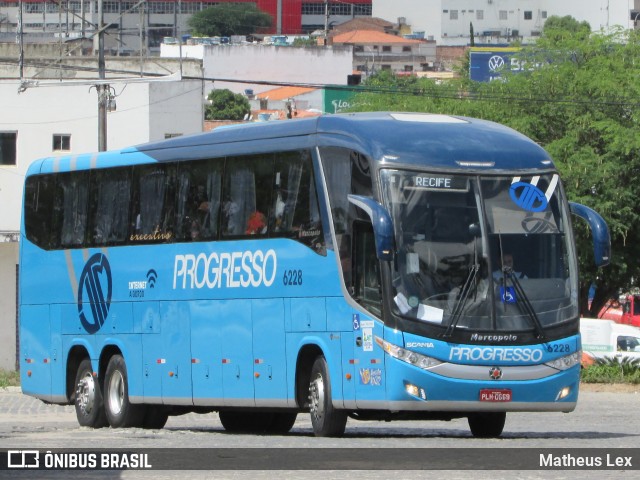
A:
{"x": 71, "y": 208}
{"x": 367, "y": 283}
{"x": 152, "y": 214}
{"x": 109, "y": 206}
{"x": 346, "y": 172}
{"x": 294, "y": 211}
{"x": 246, "y": 195}
{"x": 198, "y": 200}
{"x": 38, "y": 209}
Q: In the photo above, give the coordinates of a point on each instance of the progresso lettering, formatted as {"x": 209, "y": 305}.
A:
{"x": 225, "y": 270}
{"x": 475, "y": 354}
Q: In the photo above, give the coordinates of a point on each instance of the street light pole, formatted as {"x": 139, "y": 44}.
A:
{"x": 102, "y": 89}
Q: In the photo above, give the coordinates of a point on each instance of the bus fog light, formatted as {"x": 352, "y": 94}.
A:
{"x": 563, "y": 393}
{"x": 415, "y": 391}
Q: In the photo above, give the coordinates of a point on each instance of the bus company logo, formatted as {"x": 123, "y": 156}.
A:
{"x": 528, "y": 197}
{"x": 495, "y": 373}
{"x": 94, "y": 293}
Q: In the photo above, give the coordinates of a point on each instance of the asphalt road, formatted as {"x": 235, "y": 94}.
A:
{"x": 602, "y": 421}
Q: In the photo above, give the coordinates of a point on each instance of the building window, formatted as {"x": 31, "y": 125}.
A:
{"x": 312, "y": 9}
{"x": 479, "y": 14}
{"x": 453, "y": 15}
{"x": 172, "y": 135}
{"x": 340, "y": 9}
{"x": 386, "y": 67}
{"x": 386, "y": 48}
{"x": 528, "y": 15}
{"x": 61, "y": 142}
{"x": 544, "y": 14}
{"x": 362, "y": 10}
{"x": 502, "y": 15}
{"x": 406, "y": 48}
{"x": 8, "y": 142}
{"x": 408, "y": 68}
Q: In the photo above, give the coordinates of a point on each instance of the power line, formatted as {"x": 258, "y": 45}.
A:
{"x": 438, "y": 93}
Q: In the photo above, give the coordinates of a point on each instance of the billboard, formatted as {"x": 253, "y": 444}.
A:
{"x": 488, "y": 63}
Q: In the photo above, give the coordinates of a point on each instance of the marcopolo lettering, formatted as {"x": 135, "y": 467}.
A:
{"x": 476, "y": 354}
{"x": 225, "y": 270}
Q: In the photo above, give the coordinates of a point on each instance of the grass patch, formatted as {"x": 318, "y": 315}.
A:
{"x": 9, "y": 378}
{"x": 611, "y": 370}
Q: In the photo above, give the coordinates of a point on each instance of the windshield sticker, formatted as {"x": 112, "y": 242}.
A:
{"x": 508, "y": 295}
{"x": 430, "y": 314}
{"x": 528, "y": 196}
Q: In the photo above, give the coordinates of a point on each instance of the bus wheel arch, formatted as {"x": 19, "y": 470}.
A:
{"x": 306, "y": 356}
{"x": 76, "y": 355}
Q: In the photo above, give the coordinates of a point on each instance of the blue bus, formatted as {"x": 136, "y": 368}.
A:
{"x": 372, "y": 266}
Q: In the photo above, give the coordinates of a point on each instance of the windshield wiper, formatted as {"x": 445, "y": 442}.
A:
{"x": 528, "y": 308}
{"x": 474, "y": 230}
{"x": 464, "y": 295}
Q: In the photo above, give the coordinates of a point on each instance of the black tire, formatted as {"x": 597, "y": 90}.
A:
{"x": 121, "y": 413}
{"x": 88, "y": 397}
{"x": 487, "y": 425}
{"x": 282, "y": 422}
{"x": 155, "y": 417}
{"x": 325, "y": 419}
{"x": 245, "y": 422}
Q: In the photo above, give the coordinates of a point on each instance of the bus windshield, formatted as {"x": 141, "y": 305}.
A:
{"x": 481, "y": 253}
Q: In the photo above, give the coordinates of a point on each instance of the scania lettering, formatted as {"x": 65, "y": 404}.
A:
{"x": 367, "y": 266}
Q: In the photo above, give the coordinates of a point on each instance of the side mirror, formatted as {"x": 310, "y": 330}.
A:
{"x": 382, "y": 224}
{"x": 599, "y": 231}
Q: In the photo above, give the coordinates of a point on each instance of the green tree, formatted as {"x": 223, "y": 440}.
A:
{"x": 226, "y": 105}
{"x": 226, "y": 19}
{"x": 578, "y": 95}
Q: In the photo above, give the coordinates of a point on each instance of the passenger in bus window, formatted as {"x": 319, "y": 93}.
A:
{"x": 507, "y": 261}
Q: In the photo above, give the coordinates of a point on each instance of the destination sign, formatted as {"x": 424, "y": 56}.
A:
{"x": 440, "y": 182}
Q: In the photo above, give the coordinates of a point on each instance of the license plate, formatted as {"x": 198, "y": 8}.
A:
{"x": 495, "y": 395}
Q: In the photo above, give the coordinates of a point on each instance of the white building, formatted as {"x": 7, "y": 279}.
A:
{"x": 267, "y": 63}
{"x": 498, "y": 21}
{"x": 60, "y": 120}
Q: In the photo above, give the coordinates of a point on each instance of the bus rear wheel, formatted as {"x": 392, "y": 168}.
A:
{"x": 121, "y": 413}
{"x": 487, "y": 424}
{"x": 88, "y": 397}
{"x": 325, "y": 419}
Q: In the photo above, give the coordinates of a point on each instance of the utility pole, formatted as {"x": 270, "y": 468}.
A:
{"x": 102, "y": 89}
{"x": 326, "y": 22}
{"x": 20, "y": 41}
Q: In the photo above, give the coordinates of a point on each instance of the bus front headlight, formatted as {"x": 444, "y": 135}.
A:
{"x": 566, "y": 362}
{"x": 407, "y": 356}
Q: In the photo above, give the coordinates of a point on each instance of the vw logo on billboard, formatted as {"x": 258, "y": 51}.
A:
{"x": 94, "y": 293}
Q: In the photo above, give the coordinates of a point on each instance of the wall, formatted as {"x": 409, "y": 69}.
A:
{"x": 8, "y": 262}
{"x": 268, "y": 63}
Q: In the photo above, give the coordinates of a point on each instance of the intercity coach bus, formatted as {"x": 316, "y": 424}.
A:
{"x": 352, "y": 266}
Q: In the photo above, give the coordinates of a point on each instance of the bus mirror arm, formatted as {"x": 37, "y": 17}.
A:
{"x": 599, "y": 231}
{"x": 382, "y": 225}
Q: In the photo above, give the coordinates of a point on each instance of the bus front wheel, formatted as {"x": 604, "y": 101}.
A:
{"x": 120, "y": 412}
{"x": 325, "y": 419}
{"x": 487, "y": 424}
{"x": 88, "y": 397}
